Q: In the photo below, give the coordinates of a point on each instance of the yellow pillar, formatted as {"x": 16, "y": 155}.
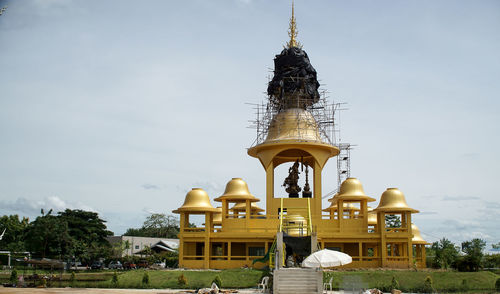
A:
{"x": 410, "y": 236}
{"x": 270, "y": 209}
{"x": 383, "y": 244}
{"x": 247, "y": 213}
{"x": 317, "y": 189}
{"x": 208, "y": 224}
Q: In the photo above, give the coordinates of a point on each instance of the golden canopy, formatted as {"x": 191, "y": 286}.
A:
{"x": 196, "y": 201}
{"x": 352, "y": 189}
{"x": 237, "y": 191}
{"x": 242, "y": 207}
{"x": 417, "y": 238}
{"x": 293, "y": 124}
{"x": 393, "y": 200}
{"x": 347, "y": 207}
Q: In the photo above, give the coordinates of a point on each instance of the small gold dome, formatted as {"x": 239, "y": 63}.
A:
{"x": 242, "y": 207}
{"x": 347, "y": 207}
{"x": 334, "y": 198}
{"x": 196, "y": 200}
{"x": 393, "y": 200}
{"x": 295, "y": 225}
{"x": 417, "y": 238}
{"x": 352, "y": 188}
{"x": 293, "y": 124}
{"x": 237, "y": 191}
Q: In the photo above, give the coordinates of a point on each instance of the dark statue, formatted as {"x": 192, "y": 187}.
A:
{"x": 291, "y": 182}
{"x": 295, "y": 83}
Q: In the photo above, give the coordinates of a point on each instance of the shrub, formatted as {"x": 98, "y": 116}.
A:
{"x": 182, "y": 280}
{"x": 428, "y": 286}
{"x": 114, "y": 280}
{"x": 217, "y": 280}
{"x": 394, "y": 283}
{"x": 72, "y": 279}
{"x": 497, "y": 284}
{"x": 465, "y": 285}
{"x": 13, "y": 277}
{"x": 145, "y": 279}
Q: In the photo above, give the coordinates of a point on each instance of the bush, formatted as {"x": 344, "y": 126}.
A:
{"x": 465, "y": 285}
{"x": 145, "y": 279}
{"x": 217, "y": 280}
{"x": 72, "y": 279}
{"x": 13, "y": 277}
{"x": 428, "y": 286}
{"x": 394, "y": 283}
{"x": 497, "y": 284}
{"x": 114, "y": 280}
{"x": 182, "y": 280}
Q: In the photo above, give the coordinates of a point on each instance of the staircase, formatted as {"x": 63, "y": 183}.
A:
{"x": 297, "y": 280}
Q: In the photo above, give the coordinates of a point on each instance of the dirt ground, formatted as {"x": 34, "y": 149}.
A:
{"x": 103, "y": 291}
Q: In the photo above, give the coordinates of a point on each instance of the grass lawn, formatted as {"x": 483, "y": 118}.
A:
{"x": 409, "y": 281}
{"x": 412, "y": 281}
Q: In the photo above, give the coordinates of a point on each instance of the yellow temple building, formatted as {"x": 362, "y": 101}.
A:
{"x": 294, "y": 223}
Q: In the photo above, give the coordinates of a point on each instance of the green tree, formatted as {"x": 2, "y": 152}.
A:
{"x": 47, "y": 236}
{"x": 157, "y": 225}
{"x": 13, "y": 230}
{"x": 473, "y": 253}
{"x": 88, "y": 234}
{"x": 445, "y": 253}
{"x": 392, "y": 221}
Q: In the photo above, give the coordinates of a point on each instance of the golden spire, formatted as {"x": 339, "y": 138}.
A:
{"x": 292, "y": 32}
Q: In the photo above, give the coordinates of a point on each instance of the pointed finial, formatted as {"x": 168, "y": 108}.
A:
{"x": 292, "y": 31}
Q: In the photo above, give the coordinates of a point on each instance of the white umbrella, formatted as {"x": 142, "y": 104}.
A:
{"x": 326, "y": 258}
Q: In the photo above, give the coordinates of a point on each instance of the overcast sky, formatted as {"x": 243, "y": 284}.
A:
{"x": 121, "y": 107}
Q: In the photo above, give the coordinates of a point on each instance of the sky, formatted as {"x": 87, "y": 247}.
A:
{"x": 121, "y": 107}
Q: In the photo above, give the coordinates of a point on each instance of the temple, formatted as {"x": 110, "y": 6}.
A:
{"x": 293, "y": 133}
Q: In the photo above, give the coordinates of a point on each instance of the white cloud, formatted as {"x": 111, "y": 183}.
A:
{"x": 33, "y": 207}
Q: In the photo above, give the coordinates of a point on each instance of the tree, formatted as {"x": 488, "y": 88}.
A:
{"x": 392, "y": 221}
{"x": 157, "y": 225}
{"x": 47, "y": 236}
{"x": 474, "y": 253}
{"x": 13, "y": 229}
{"x": 88, "y": 234}
{"x": 445, "y": 253}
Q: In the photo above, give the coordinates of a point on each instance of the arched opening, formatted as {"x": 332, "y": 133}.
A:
{"x": 293, "y": 174}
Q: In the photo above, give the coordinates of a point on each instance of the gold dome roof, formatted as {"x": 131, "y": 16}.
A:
{"x": 237, "y": 191}
{"x": 393, "y": 200}
{"x": 294, "y": 124}
{"x": 297, "y": 225}
{"x": 347, "y": 207}
{"x": 196, "y": 200}
{"x": 242, "y": 207}
{"x": 217, "y": 217}
{"x": 352, "y": 189}
{"x": 417, "y": 238}
{"x": 334, "y": 198}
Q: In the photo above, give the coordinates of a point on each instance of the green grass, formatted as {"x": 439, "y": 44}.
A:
{"x": 411, "y": 281}
{"x": 235, "y": 278}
